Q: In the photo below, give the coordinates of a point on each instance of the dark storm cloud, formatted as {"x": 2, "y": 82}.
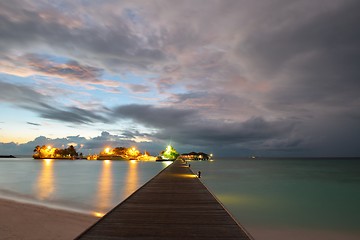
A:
{"x": 26, "y": 98}
{"x": 19, "y": 95}
{"x": 70, "y": 114}
{"x": 153, "y": 116}
{"x": 244, "y": 134}
{"x": 23, "y": 25}
{"x": 319, "y": 56}
{"x": 216, "y": 105}
{"x": 190, "y": 127}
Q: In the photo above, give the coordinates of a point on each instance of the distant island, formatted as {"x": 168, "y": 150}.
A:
{"x": 117, "y": 153}
{"x": 196, "y": 156}
{"x": 7, "y": 156}
{"x": 45, "y": 152}
{"x": 122, "y": 153}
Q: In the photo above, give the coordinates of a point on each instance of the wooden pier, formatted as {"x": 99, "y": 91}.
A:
{"x": 172, "y": 205}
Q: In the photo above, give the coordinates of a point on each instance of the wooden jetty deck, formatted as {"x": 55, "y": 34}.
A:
{"x": 172, "y": 205}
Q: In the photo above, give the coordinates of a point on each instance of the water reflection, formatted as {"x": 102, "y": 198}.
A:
{"x": 104, "y": 195}
{"x": 45, "y": 182}
{"x": 166, "y": 163}
{"x": 131, "y": 180}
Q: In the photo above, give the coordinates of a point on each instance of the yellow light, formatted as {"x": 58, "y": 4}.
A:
{"x": 187, "y": 175}
{"x": 133, "y": 161}
{"x": 107, "y": 150}
{"x": 49, "y": 147}
{"x": 107, "y": 161}
{"x": 98, "y": 214}
{"x": 133, "y": 148}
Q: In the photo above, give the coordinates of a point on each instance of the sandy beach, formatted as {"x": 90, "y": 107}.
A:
{"x": 26, "y": 221}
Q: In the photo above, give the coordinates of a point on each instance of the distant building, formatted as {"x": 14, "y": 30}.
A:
{"x": 195, "y": 156}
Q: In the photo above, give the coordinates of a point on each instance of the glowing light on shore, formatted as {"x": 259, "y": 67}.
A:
{"x": 107, "y": 150}
{"x": 107, "y": 161}
{"x": 133, "y": 152}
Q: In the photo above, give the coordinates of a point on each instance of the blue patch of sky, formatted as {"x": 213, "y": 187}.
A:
{"x": 11, "y": 114}
{"x": 178, "y": 89}
{"x": 132, "y": 15}
{"x": 13, "y": 79}
{"x": 129, "y": 77}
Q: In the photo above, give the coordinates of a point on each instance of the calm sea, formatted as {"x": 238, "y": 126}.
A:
{"x": 302, "y": 196}
{"x": 293, "y": 196}
{"x": 85, "y": 186}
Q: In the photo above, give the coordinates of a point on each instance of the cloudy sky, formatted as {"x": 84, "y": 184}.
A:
{"x": 232, "y": 77}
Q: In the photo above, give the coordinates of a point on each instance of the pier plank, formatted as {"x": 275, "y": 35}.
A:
{"x": 173, "y": 205}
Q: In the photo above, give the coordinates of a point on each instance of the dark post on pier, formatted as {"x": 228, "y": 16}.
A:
{"x": 172, "y": 205}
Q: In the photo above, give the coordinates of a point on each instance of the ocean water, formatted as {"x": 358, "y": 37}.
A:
{"x": 305, "y": 196}
{"x": 272, "y": 198}
{"x": 84, "y": 186}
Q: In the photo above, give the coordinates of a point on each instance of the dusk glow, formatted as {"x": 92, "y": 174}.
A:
{"x": 236, "y": 78}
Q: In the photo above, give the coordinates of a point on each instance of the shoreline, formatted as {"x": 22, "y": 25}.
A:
{"x": 24, "y": 220}
{"x": 28, "y": 221}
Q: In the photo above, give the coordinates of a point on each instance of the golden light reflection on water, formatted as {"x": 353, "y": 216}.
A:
{"x": 104, "y": 195}
{"x": 167, "y": 163}
{"x": 131, "y": 180}
{"x": 244, "y": 200}
{"x": 105, "y": 186}
{"x": 45, "y": 183}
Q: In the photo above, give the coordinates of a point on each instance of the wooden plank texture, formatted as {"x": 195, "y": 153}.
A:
{"x": 172, "y": 205}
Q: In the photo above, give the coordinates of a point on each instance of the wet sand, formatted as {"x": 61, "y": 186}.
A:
{"x": 26, "y": 221}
